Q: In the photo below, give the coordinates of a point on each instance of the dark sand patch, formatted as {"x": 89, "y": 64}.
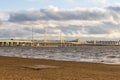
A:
{"x": 40, "y": 67}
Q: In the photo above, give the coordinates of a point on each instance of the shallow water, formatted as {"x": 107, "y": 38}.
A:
{"x": 97, "y": 54}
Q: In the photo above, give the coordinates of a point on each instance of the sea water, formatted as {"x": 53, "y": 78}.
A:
{"x": 97, "y": 54}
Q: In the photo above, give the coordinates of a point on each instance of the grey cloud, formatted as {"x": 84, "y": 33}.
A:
{"x": 23, "y": 16}
{"x": 115, "y": 13}
{"x": 7, "y": 33}
{"x": 97, "y": 30}
{"x": 84, "y": 30}
{"x": 117, "y": 9}
{"x": 4, "y": 33}
{"x": 0, "y": 22}
{"x": 46, "y": 14}
{"x": 70, "y": 29}
{"x": 40, "y": 31}
{"x": 35, "y": 30}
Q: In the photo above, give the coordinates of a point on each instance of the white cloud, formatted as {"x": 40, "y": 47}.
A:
{"x": 101, "y": 1}
{"x": 4, "y": 15}
{"x": 52, "y": 8}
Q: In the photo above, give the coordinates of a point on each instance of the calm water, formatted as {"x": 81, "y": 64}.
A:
{"x": 98, "y": 54}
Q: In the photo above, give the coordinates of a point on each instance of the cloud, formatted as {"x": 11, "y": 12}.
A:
{"x": 4, "y": 15}
{"x": 97, "y": 23}
{"x": 53, "y": 13}
{"x": 102, "y": 1}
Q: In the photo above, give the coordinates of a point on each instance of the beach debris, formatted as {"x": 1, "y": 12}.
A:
{"x": 40, "y": 67}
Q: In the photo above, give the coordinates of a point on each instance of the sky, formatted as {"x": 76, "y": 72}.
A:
{"x": 74, "y": 19}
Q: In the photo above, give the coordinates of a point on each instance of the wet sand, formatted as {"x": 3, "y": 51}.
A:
{"x": 12, "y": 68}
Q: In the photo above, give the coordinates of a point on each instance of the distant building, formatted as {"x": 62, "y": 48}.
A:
{"x": 103, "y": 42}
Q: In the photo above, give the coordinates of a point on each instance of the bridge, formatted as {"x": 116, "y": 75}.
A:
{"x": 12, "y": 42}
{"x": 39, "y": 43}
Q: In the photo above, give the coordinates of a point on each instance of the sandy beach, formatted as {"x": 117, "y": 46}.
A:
{"x": 12, "y": 68}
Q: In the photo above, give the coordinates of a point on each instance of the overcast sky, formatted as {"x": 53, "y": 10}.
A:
{"x": 83, "y": 19}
